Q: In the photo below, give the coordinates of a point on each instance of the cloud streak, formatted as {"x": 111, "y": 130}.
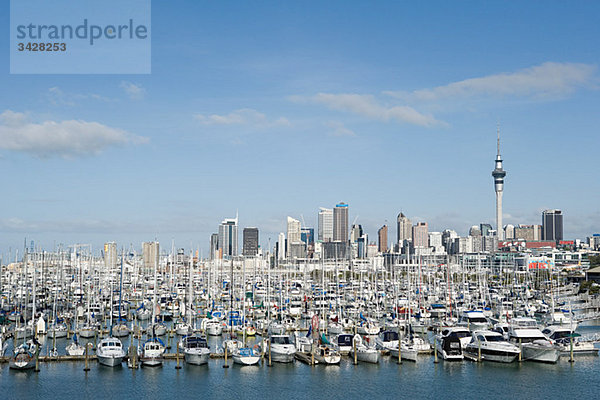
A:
{"x": 546, "y": 80}
{"x": 134, "y": 91}
{"x": 367, "y": 106}
{"x": 243, "y": 116}
{"x": 338, "y": 129}
{"x": 71, "y": 138}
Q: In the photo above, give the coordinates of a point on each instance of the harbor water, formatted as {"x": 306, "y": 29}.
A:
{"x": 423, "y": 379}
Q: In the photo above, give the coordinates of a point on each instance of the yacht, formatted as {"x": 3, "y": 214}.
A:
{"x": 493, "y": 347}
{"x": 534, "y": 345}
{"x": 561, "y": 337}
{"x": 282, "y": 348}
{"x": 474, "y": 320}
{"x": 110, "y": 352}
{"x": 195, "y": 349}
{"x": 450, "y": 343}
{"x": 343, "y": 343}
{"x": 387, "y": 340}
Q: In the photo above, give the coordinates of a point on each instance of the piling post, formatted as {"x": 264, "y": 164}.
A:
{"x": 479, "y": 351}
{"x": 87, "y": 367}
{"x": 225, "y": 365}
{"x": 354, "y": 350}
{"x": 520, "y": 349}
{"x": 37, "y": 359}
{"x": 435, "y": 355}
{"x": 571, "y": 358}
{"x": 269, "y": 339}
{"x": 177, "y": 356}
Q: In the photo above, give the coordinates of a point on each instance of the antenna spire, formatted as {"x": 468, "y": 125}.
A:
{"x": 498, "y": 131}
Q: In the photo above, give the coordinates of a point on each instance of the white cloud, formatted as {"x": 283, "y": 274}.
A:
{"x": 58, "y": 97}
{"x": 549, "y": 79}
{"x": 338, "y": 129}
{"x": 134, "y": 91}
{"x": 244, "y": 116}
{"x": 368, "y": 106}
{"x": 63, "y": 138}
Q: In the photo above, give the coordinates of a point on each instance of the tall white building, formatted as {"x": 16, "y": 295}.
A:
{"x": 325, "y": 233}
{"x": 281, "y": 246}
{"x": 228, "y": 237}
{"x": 294, "y": 233}
{"x": 110, "y": 255}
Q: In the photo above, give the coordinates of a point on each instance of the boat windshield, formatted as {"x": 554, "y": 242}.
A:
{"x": 280, "y": 340}
{"x": 494, "y": 338}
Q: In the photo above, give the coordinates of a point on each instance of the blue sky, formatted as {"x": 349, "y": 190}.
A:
{"x": 278, "y": 108}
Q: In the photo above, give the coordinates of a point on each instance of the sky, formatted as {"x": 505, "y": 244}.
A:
{"x": 269, "y": 109}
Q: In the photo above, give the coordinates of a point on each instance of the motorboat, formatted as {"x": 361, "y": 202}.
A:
{"x": 282, "y": 349}
{"x": 325, "y": 354}
{"x": 387, "y": 340}
{"x": 152, "y": 352}
{"x": 195, "y": 349}
{"x": 110, "y": 352}
{"x": 562, "y": 336}
{"x": 491, "y": 346}
{"x": 449, "y": 343}
{"x": 532, "y": 342}
{"x": 474, "y": 320}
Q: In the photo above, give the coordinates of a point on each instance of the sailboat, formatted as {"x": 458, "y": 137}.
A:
{"x": 110, "y": 350}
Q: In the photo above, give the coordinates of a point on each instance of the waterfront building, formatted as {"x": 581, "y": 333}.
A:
{"x": 528, "y": 232}
{"x": 294, "y": 234}
{"x": 150, "y": 255}
{"x": 509, "y": 231}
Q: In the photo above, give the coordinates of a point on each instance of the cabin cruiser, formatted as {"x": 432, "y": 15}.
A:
{"x": 110, "y": 352}
{"x": 343, "y": 343}
{"x": 561, "y": 337}
{"x": 152, "y": 352}
{"x": 491, "y": 346}
{"x": 532, "y": 342}
{"x": 474, "y": 320}
{"x": 450, "y": 343}
{"x": 282, "y": 348}
{"x": 195, "y": 349}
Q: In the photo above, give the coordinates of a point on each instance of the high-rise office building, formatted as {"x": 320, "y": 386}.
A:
{"x": 307, "y": 235}
{"x": 552, "y": 225}
{"x": 250, "y": 241}
{"x": 420, "y": 235}
{"x": 110, "y": 255}
{"x": 228, "y": 237}
{"x": 214, "y": 246}
{"x": 340, "y": 223}
{"x": 281, "y": 246}
{"x": 150, "y": 255}
{"x": 294, "y": 233}
{"x": 325, "y": 228}
{"x": 509, "y": 231}
{"x": 404, "y": 231}
{"x": 486, "y": 229}
{"x": 356, "y": 232}
{"x": 498, "y": 173}
{"x": 383, "y": 239}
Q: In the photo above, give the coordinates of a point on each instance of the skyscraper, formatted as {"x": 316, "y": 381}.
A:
{"x": 356, "y": 232}
{"x": 552, "y": 225}
{"x": 340, "y": 223}
{"x": 498, "y": 173}
{"x": 383, "y": 239}
{"x": 228, "y": 237}
{"x": 250, "y": 241}
{"x": 404, "y": 231}
{"x": 325, "y": 228}
{"x": 420, "y": 234}
{"x": 294, "y": 233}
{"x": 110, "y": 255}
{"x": 214, "y": 246}
{"x": 281, "y": 246}
{"x": 150, "y": 255}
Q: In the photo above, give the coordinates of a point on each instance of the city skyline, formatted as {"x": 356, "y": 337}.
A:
{"x": 276, "y": 110}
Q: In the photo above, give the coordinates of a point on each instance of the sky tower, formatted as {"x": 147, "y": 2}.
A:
{"x": 498, "y": 173}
